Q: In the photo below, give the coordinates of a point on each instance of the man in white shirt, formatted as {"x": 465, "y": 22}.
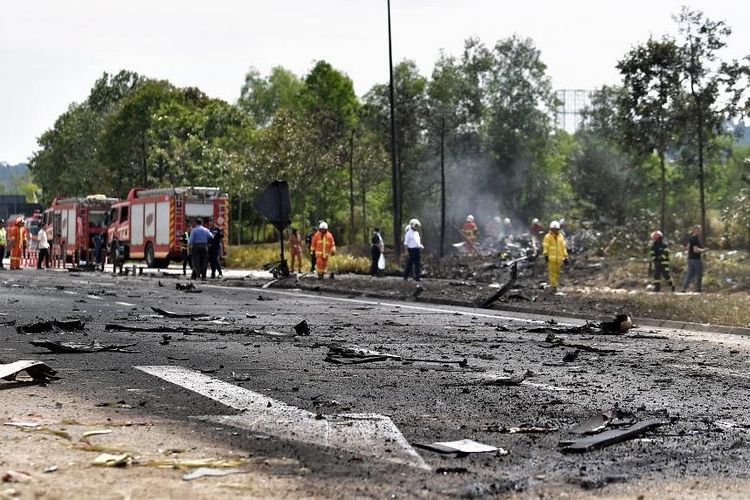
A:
{"x": 413, "y": 244}
{"x": 43, "y": 247}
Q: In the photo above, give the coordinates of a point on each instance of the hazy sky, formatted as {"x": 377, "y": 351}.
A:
{"x": 52, "y": 51}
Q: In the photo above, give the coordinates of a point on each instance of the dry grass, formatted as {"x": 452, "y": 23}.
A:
{"x": 256, "y": 256}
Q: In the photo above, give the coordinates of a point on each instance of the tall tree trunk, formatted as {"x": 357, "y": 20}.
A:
{"x": 239, "y": 221}
{"x": 395, "y": 181}
{"x": 663, "y": 224}
{"x": 351, "y": 190}
{"x": 442, "y": 186}
{"x": 364, "y": 210}
{"x": 701, "y": 173}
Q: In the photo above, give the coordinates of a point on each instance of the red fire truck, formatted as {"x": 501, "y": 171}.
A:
{"x": 72, "y": 224}
{"x": 148, "y": 225}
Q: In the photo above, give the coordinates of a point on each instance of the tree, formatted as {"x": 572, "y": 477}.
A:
{"x": 411, "y": 111}
{"x": 651, "y": 89}
{"x": 518, "y": 100}
{"x": 262, "y": 97}
{"x": 707, "y": 80}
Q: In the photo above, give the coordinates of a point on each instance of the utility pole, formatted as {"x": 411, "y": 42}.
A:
{"x": 394, "y": 167}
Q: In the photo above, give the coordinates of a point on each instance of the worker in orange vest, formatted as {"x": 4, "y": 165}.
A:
{"x": 17, "y": 242}
{"x": 324, "y": 246}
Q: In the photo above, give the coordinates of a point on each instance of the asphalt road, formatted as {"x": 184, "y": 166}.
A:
{"x": 242, "y": 379}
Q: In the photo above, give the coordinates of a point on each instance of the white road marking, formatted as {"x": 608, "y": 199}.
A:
{"x": 128, "y": 304}
{"x": 366, "y": 434}
{"x": 392, "y": 304}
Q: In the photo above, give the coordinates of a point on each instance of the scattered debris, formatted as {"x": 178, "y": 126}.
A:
{"x": 57, "y": 346}
{"x": 193, "y": 463}
{"x": 24, "y": 425}
{"x": 461, "y": 447}
{"x": 610, "y": 437}
{"x": 152, "y": 329}
{"x": 109, "y": 460}
{"x": 618, "y": 326}
{"x": 451, "y": 470}
{"x": 554, "y": 341}
{"x": 115, "y": 404}
{"x": 503, "y": 381}
{"x": 504, "y": 289}
{"x": 37, "y": 370}
{"x": 571, "y": 356}
{"x": 51, "y": 468}
{"x": 172, "y": 314}
{"x": 165, "y": 339}
{"x": 356, "y": 355}
{"x": 12, "y": 476}
{"x": 98, "y": 432}
{"x": 208, "y": 472}
{"x": 523, "y": 429}
{"x": 188, "y": 288}
{"x": 263, "y": 297}
{"x": 210, "y": 370}
{"x": 302, "y": 328}
{"x": 51, "y": 326}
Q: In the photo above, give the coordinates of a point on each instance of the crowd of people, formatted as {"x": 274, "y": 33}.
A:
{"x": 202, "y": 247}
{"x": 550, "y": 243}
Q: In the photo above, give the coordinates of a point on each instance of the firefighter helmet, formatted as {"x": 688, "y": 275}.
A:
{"x": 323, "y": 225}
{"x": 414, "y": 223}
{"x": 657, "y": 235}
{"x": 554, "y": 225}
{"x": 470, "y": 218}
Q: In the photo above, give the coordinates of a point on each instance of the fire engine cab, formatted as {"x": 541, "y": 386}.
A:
{"x": 73, "y": 223}
{"x": 149, "y": 223}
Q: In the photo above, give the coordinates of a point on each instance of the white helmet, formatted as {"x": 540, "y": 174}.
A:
{"x": 322, "y": 225}
{"x": 535, "y": 221}
{"x": 554, "y": 225}
{"x": 506, "y": 220}
{"x": 470, "y": 218}
{"x": 414, "y": 223}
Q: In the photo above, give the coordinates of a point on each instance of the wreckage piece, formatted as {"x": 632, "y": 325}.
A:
{"x": 188, "y": 288}
{"x": 608, "y": 438}
{"x": 356, "y": 355}
{"x": 37, "y": 370}
{"x": 554, "y": 341}
{"x": 172, "y": 314}
{"x": 302, "y": 328}
{"x": 152, "y": 329}
{"x": 504, "y": 381}
{"x": 79, "y": 348}
{"x": 461, "y": 447}
{"x": 618, "y": 326}
{"x": 503, "y": 289}
{"x": 523, "y": 429}
{"x": 51, "y": 326}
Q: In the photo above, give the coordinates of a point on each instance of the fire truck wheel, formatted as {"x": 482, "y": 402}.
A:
{"x": 150, "y": 259}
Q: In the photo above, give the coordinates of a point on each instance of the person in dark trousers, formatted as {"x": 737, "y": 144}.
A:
{"x": 660, "y": 261}
{"x": 43, "y": 247}
{"x": 414, "y": 247}
{"x": 186, "y": 261}
{"x": 376, "y": 250}
{"x": 308, "y": 242}
{"x": 198, "y": 246}
{"x": 214, "y": 251}
{"x": 695, "y": 250}
{"x": 99, "y": 251}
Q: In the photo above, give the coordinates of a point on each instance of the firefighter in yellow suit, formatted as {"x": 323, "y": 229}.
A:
{"x": 555, "y": 253}
{"x": 324, "y": 246}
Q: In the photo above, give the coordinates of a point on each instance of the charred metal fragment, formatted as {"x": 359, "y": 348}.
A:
{"x": 610, "y": 437}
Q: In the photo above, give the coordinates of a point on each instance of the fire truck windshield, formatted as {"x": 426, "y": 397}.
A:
{"x": 96, "y": 218}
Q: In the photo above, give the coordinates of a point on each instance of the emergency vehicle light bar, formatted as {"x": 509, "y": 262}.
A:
{"x": 205, "y": 192}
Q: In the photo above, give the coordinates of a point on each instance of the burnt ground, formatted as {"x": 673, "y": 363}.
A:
{"x": 693, "y": 383}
